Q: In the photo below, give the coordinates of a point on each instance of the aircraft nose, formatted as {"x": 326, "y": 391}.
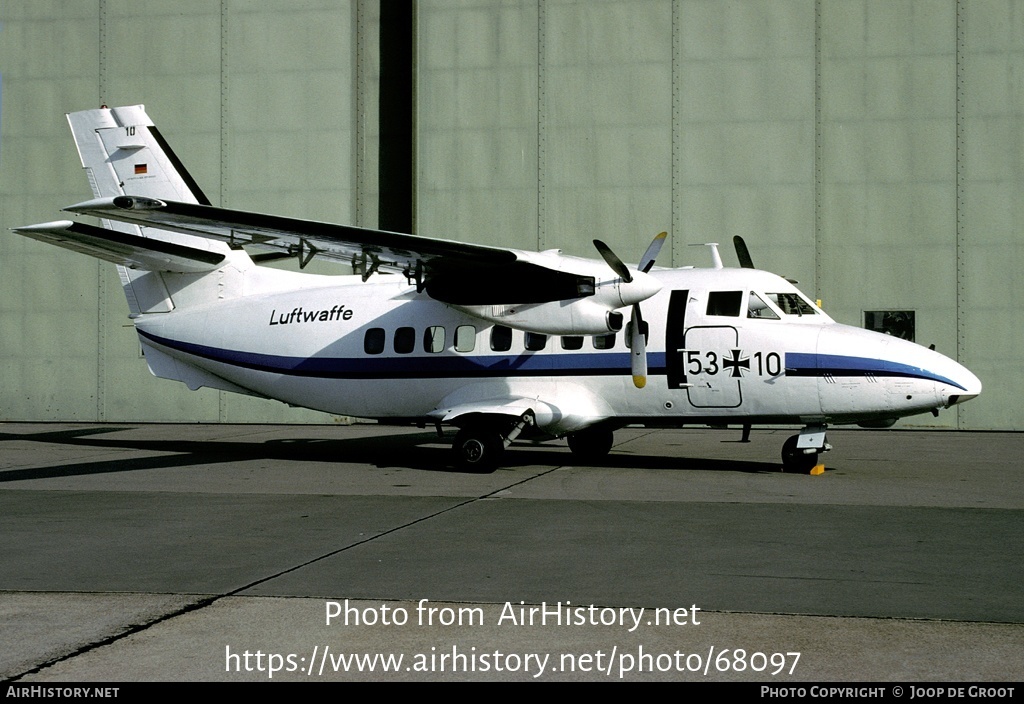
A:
{"x": 970, "y": 387}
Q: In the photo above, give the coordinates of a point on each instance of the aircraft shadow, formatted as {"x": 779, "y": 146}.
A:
{"x": 418, "y": 451}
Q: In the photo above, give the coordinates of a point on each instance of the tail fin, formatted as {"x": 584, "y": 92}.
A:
{"x": 123, "y": 153}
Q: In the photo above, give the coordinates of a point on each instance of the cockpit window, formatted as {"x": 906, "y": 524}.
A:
{"x": 757, "y": 308}
{"x": 791, "y": 303}
{"x": 725, "y": 303}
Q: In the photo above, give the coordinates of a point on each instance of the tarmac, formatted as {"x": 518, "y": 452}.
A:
{"x": 134, "y": 552}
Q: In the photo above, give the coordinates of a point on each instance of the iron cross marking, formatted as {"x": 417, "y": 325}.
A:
{"x": 735, "y": 363}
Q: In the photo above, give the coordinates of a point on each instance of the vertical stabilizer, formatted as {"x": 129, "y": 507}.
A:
{"x": 123, "y": 153}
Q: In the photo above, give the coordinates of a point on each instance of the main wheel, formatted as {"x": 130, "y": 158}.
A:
{"x": 795, "y": 459}
{"x": 478, "y": 450}
{"x": 591, "y": 444}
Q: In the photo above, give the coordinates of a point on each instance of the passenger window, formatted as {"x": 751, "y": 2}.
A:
{"x": 433, "y": 339}
{"x": 604, "y": 342}
{"x": 572, "y": 342}
{"x": 465, "y": 338}
{"x": 535, "y": 341}
{"x": 645, "y": 330}
{"x": 725, "y": 303}
{"x": 757, "y": 308}
{"x": 405, "y": 340}
{"x": 373, "y": 341}
{"x": 501, "y": 338}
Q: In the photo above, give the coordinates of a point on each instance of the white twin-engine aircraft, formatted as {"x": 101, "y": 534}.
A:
{"x": 497, "y": 342}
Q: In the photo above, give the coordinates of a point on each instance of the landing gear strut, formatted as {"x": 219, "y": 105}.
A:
{"x": 800, "y": 452}
{"x": 480, "y": 445}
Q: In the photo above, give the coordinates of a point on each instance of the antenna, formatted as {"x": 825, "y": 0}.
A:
{"x": 716, "y": 258}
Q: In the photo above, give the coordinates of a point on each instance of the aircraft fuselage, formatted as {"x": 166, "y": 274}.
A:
{"x": 724, "y": 346}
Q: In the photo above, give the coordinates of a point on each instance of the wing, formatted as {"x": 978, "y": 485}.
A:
{"x": 454, "y": 272}
{"x": 392, "y": 251}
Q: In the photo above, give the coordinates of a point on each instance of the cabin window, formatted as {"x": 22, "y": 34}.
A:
{"x": 433, "y": 339}
{"x": 604, "y": 342}
{"x": 373, "y": 341}
{"x": 535, "y": 341}
{"x": 791, "y": 303}
{"x": 725, "y": 303}
{"x": 405, "y": 340}
{"x": 501, "y": 338}
{"x": 572, "y": 342}
{"x": 645, "y": 330}
{"x": 898, "y": 323}
{"x": 757, "y": 308}
{"x": 465, "y": 338}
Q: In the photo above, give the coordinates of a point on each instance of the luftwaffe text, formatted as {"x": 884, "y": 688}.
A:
{"x": 300, "y": 315}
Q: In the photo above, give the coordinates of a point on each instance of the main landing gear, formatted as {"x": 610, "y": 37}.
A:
{"x": 800, "y": 452}
{"x": 591, "y": 444}
{"x": 480, "y": 443}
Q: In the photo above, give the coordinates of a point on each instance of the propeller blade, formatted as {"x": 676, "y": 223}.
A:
{"x": 742, "y": 253}
{"x": 647, "y": 261}
{"x": 613, "y": 261}
{"x": 638, "y": 349}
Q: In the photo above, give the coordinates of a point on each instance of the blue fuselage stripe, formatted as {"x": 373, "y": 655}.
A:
{"x": 410, "y": 366}
{"x": 442, "y": 366}
{"x": 806, "y": 364}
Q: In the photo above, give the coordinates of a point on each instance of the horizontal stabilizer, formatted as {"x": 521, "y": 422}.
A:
{"x": 132, "y": 251}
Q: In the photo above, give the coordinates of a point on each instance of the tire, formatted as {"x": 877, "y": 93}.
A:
{"x": 794, "y": 459}
{"x": 591, "y": 444}
{"x": 478, "y": 450}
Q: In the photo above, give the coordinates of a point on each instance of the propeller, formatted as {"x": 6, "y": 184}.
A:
{"x": 638, "y": 328}
{"x": 743, "y": 254}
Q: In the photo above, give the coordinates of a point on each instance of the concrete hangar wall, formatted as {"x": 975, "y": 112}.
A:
{"x": 872, "y": 150}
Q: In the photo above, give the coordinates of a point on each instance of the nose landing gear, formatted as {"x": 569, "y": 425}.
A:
{"x": 800, "y": 452}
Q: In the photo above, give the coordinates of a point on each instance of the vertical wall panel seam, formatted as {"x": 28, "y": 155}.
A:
{"x": 677, "y": 136}
{"x": 222, "y": 395}
{"x": 359, "y": 108}
{"x": 961, "y": 37}
{"x": 100, "y": 278}
{"x": 223, "y": 103}
{"x": 818, "y": 148}
{"x": 413, "y": 119}
{"x": 541, "y": 128}
{"x": 102, "y": 51}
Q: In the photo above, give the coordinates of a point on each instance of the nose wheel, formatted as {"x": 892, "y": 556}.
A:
{"x": 800, "y": 452}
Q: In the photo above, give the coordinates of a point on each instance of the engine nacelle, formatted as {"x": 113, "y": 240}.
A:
{"x": 584, "y": 316}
